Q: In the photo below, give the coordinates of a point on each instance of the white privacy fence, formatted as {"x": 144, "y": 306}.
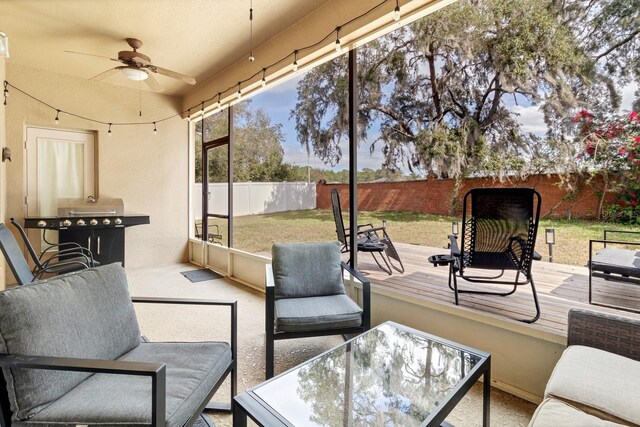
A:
{"x": 250, "y": 198}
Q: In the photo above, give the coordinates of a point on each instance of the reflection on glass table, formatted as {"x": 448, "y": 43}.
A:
{"x": 391, "y": 375}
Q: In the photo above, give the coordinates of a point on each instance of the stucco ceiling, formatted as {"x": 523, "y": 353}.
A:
{"x": 198, "y": 38}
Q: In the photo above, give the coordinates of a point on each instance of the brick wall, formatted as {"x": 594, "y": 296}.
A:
{"x": 434, "y": 196}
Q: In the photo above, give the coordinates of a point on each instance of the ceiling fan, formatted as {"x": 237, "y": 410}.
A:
{"x": 137, "y": 66}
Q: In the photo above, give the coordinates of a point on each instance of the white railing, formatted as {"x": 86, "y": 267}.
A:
{"x": 251, "y": 198}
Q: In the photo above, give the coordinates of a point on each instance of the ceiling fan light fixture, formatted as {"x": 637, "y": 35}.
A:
{"x": 135, "y": 74}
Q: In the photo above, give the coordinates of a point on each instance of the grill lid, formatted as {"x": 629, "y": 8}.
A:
{"x": 90, "y": 206}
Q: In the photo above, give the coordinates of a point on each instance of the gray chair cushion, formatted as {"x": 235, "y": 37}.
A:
{"x": 556, "y": 413}
{"x": 617, "y": 261}
{"x": 88, "y": 314}
{"x": 317, "y": 313}
{"x": 306, "y": 269}
{"x": 116, "y": 400}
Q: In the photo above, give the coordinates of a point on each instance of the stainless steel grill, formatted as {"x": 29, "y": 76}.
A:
{"x": 90, "y": 207}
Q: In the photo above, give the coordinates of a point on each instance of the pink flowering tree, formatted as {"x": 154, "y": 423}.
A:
{"x": 611, "y": 148}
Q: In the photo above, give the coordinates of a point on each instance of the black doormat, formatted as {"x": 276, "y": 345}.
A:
{"x": 200, "y": 275}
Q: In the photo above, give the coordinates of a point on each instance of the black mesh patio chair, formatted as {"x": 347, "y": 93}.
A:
{"x": 18, "y": 264}
{"x": 373, "y": 240}
{"x": 615, "y": 263}
{"x": 55, "y": 253}
{"x": 498, "y": 233}
{"x": 306, "y": 297}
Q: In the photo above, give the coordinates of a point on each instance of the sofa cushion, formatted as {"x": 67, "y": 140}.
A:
{"x": 88, "y": 314}
{"x": 597, "y": 382}
{"x": 317, "y": 313}
{"x": 555, "y": 413}
{"x": 192, "y": 371}
{"x": 307, "y": 269}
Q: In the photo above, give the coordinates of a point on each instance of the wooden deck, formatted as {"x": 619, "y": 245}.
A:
{"x": 560, "y": 287}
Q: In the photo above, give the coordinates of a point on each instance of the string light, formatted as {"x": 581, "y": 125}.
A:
{"x": 251, "y": 57}
{"x": 155, "y": 129}
{"x": 338, "y": 46}
{"x": 217, "y": 103}
{"x": 396, "y": 16}
{"x": 202, "y": 107}
{"x": 57, "y": 119}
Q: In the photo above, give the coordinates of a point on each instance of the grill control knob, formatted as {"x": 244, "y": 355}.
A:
{"x": 117, "y": 221}
{"x": 106, "y": 221}
{"x": 66, "y": 223}
{"x": 81, "y": 222}
{"x": 93, "y": 222}
{"x": 42, "y": 223}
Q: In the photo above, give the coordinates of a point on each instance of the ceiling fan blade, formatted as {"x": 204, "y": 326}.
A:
{"x": 91, "y": 54}
{"x": 173, "y": 74}
{"x": 153, "y": 83}
{"x": 105, "y": 74}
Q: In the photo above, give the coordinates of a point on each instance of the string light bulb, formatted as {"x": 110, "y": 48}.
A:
{"x": 396, "y": 12}
{"x": 57, "y": 119}
{"x": 338, "y": 45}
{"x": 6, "y": 92}
{"x": 217, "y": 103}
{"x": 263, "y": 82}
{"x": 295, "y": 61}
{"x": 109, "y": 132}
{"x": 239, "y": 94}
{"x": 188, "y": 113}
{"x": 155, "y": 129}
{"x": 202, "y": 107}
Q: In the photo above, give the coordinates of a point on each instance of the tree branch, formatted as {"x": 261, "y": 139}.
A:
{"x": 617, "y": 45}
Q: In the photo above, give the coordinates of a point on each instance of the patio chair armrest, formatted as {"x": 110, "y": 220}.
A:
{"x": 65, "y": 252}
{"x": 233, "y": 305}
{"x": 615, "y": 242}
{"x": 608, "y": 332}
{"x": 619, "y": 232}
{"x": 370, "y": 225}
{"x": 536, "y": 256}
{"x": 453, "y": 243}
{"x": 355, "y": 273}
{"x": 157, "y": 372}
{"x": 46, "y": 267}
{"x": 366, "y": 294}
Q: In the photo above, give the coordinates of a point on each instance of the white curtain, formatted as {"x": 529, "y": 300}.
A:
{"x": 60, "y": 173}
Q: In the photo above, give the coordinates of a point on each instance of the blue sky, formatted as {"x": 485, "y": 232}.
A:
{"x": 278, "y": 101}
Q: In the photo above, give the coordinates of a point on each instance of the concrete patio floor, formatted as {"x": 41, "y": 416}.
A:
{"x": 211, "y": 323}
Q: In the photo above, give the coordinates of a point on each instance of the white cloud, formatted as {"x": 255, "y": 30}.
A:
{"x": 531, "y": 119}
{"x": 298, "y": 156}
{"x": 628, "y": 96}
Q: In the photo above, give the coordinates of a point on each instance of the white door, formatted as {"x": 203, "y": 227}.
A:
{"x": 59, "y": 164}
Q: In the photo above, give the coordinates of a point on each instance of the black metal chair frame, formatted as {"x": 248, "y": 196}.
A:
{"x": 18, "y": 264}
{"x": 463, "y": 255}
{"x": 156, "y": 371}
{"x": 272, "y": 334}
{"x": 623, "y": 274}
{"x": 55, "y": 254}
{"x": 215, "y": 238}
{"x": 368, "y": 239}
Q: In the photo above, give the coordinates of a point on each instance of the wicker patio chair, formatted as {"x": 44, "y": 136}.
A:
{"x": 499, "y": 233}
{"x": 373, "y": 240}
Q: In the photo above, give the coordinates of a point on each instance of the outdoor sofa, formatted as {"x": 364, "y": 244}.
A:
{"x": 596, "y": 382}
{"x": 72, "y": 354}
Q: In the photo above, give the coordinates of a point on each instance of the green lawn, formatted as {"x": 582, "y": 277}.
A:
{"x": 256, "y": 233}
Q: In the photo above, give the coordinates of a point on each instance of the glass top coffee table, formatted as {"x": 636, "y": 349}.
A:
{"x": 391, "y": 375}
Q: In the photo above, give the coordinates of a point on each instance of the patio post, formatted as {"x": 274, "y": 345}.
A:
{"x": 353, "y": 158}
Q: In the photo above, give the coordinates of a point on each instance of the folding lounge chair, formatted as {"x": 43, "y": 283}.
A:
{"x": 373, "y": 240}
{"x": 499, "y": 233}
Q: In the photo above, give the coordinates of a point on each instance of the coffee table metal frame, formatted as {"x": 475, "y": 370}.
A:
{"x": 251, "y": 405}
